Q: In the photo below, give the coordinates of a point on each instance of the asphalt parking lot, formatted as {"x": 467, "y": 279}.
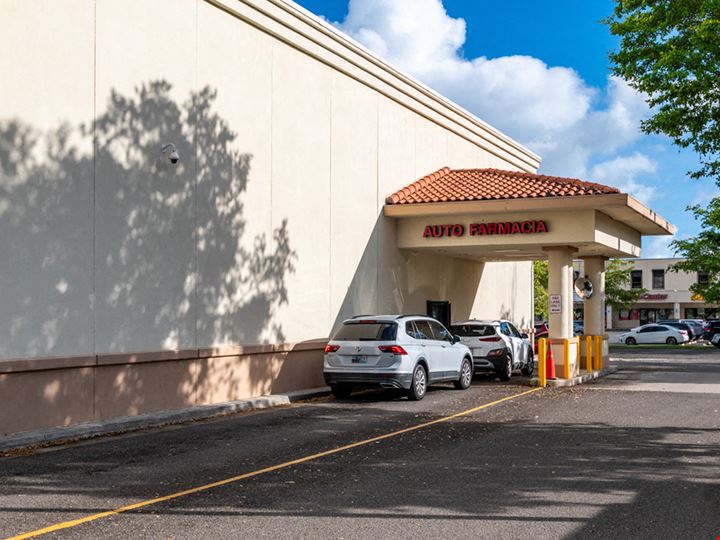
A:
{"x": 634, "y": 455}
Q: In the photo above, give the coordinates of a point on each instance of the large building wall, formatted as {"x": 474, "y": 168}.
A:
{"x": 270, "y": 228}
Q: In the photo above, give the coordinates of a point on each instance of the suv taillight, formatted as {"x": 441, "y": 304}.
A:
{"x": 331, "y": 348}
{"x": 494, "y": 338}
{"x": 394, "y": 349}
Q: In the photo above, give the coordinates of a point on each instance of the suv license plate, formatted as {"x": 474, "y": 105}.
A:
{"x": 359, "y": 360}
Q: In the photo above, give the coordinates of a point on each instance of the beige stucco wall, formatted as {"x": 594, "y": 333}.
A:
{"x": 38, "y": 394}
{"x": 270, "y": 228}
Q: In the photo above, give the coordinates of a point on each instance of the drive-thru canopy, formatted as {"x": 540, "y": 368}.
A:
{"x": 497, "y": 215}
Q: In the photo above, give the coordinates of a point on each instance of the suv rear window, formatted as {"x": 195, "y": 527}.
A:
{"x": 473, "y": 330}
{"x": 366, "y": 331}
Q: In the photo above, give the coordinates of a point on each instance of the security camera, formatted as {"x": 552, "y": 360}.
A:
{"x": 174, "y": 157}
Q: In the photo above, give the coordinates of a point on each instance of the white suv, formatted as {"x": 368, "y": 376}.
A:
{"x": 407, "y": 352}
{"x": 497, "y": 347}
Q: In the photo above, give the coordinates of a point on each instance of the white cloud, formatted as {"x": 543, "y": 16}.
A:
{"x": 622, "y": 173}
{"x": 549, "y": 109}
{"x": 704, "y": 193}
{"x": 658, "y": 247}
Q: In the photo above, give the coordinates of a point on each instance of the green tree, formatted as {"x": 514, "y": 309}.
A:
{"x": 540, "y": 287}
{"x": 670, "y": 50}
{"x": 618, "y": 293}
{"x": 700, "y": 254}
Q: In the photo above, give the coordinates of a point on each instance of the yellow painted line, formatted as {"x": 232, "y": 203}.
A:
{"x": 219, "y": 483}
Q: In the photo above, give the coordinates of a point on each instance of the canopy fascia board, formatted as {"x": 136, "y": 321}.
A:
{"x": 620, "y": 206}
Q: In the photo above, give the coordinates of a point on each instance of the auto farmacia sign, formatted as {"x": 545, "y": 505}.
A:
{"x": 485, "y": 229}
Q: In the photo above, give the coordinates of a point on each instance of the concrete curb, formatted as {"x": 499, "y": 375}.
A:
{"x": 577, "y": 380}
{"x": 89, "y": 430}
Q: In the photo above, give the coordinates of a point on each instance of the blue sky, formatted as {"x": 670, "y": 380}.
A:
{"x": 539, "y": 72}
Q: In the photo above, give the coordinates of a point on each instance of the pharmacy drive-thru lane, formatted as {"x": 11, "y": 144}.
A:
{"x": 636, "y": 455}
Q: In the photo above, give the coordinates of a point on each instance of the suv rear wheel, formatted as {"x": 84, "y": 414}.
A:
{"x": 463, "y": 383}
{"x": 528, "y": 368}
{"x": 418, "y": 387}
{"x": 506, "y": 371}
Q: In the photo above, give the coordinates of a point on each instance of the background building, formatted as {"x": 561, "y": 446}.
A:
{"x": 668, "y": 295}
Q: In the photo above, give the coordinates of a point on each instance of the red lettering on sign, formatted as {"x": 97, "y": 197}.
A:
{"x": 482, "y": 229}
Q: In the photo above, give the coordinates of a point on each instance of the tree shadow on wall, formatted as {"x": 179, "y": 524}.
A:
{"x": 118, "y": 250}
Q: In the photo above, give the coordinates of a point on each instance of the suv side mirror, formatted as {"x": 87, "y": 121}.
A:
{"x": 455, "y": 339}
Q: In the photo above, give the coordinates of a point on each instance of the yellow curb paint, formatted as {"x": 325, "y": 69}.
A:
{"x": 219, "y": 483}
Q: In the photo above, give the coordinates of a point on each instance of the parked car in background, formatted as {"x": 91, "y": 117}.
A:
{"x": 407, "y": 352}
{"x": 541, "y": 331}
{"x": 697, "y": 325}
{"x": 654, "y": 333}
{"x": 578, "y": 327}
{"x": 681, "y": 326}
{"x": 711, "y": 329}
{"x": 497, "y": 347}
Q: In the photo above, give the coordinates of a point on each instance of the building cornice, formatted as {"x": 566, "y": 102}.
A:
{"x": 298, "y": 28}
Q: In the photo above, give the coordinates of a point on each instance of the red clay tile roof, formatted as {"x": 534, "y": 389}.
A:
{"x": 490, "y": 184}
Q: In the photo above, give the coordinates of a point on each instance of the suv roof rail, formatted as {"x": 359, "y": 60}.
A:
{"x": 413, "y": 315}
{"x": 360, "y": 316}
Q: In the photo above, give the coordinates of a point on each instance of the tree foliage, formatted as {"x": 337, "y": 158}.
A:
{"x": 670, "y": 50}
{"x": 618, "y": 293}
{"x": 700, "y": 254}
{"x": 540, "y": 287}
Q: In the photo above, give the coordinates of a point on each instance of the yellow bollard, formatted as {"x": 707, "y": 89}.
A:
{"x": 542, "y": 366}
{"x": 598, "y": 353}
{"x": 578, "y": 357}
{"x": 588, "y": 353}
{"x": 566, "y": 360}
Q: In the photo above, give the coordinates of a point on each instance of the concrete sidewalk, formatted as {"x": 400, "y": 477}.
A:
{"x": 89, "y": 430}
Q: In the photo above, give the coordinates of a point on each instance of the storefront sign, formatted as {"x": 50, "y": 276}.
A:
{"x": 555, "y": 303}
{"x": 653, "y": 296}
{"x": 485, "y": 229}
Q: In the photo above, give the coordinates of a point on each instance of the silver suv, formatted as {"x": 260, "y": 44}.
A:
{"x": 497, "y": 347}
{"x": 407, "y": 352}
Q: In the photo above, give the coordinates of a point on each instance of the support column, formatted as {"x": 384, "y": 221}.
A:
{"x": 594, "y": 307}
{"x": 560, "y": 272}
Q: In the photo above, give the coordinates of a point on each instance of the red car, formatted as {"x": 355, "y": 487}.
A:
{"x": 541, "y": 331}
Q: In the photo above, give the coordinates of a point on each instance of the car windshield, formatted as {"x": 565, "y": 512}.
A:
{"x": 367, "y": 331}
{"x": 473, "y": 330}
